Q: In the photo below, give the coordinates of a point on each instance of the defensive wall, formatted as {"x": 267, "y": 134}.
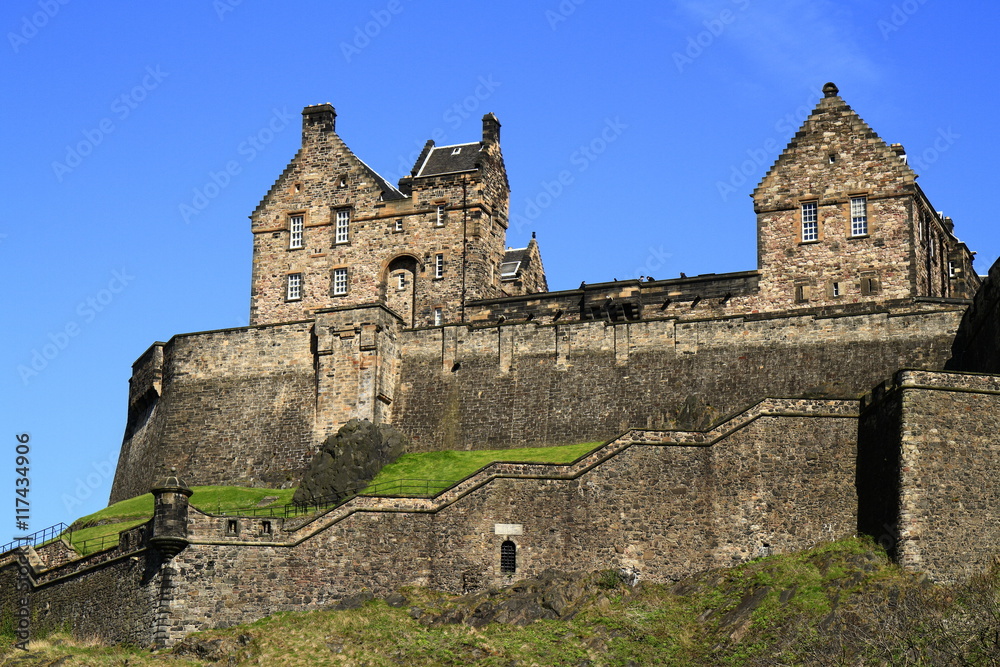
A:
{"x": 776, "y": 477}
{"x": 251, "y": 406}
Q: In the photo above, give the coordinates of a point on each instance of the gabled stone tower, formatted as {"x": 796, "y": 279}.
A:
{"x": 332, "y": 233}
{"x": 841, "y": 219}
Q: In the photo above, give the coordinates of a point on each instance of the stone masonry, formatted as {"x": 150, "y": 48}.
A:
{"x": 736, "y": 410}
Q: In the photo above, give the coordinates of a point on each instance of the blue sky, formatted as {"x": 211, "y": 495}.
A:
{"x": 139, "y": 136}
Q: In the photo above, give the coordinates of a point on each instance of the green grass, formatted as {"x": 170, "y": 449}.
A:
{"x": 652, "y": 624}
{"x": 449, "y": 467}
{"x": 135, "y": 511}
{"x": 445, "y": 467}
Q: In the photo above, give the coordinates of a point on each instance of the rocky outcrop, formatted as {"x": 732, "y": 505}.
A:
{"x": 349, "y": 460}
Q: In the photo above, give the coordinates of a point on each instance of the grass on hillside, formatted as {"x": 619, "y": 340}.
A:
{"x": 95, "y": 531}
{"x": 840, "y": 604}
{"x": 448, "y": 467}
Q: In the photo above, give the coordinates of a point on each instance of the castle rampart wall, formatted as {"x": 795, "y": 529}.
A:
{"x": 977, "y": 345}
{"x": 237, "y": 406}
{"x": 940, "y": 462}
{"x": 777, "y": 477}
{"x": 550, "y": 383}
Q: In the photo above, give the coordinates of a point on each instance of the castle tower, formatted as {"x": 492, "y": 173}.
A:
{"x": 841, "y": 219}
{"x": 332, "y": 233}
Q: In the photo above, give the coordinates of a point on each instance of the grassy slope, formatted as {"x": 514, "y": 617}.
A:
{"x": 449, "y": 467}
{"x": 445, "y": 467}
{"x": 834, "y": 604}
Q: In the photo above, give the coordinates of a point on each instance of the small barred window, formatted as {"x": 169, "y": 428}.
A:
{"x": 508, "y": 557}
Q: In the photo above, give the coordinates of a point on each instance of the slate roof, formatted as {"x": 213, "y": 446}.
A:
{"x": 448, "y": 159}
{"x": 389, "y": 192}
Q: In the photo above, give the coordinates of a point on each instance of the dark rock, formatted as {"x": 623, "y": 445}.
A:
{"x": 355, "y": 601}
{"x": 396, "y": 600}
{"x": 349, "y": 460}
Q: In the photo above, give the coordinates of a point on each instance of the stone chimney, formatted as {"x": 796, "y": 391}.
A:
{"x": 491, "y": 129}
{"x": 170, "y": 513}
{"x": 319, "y": 118}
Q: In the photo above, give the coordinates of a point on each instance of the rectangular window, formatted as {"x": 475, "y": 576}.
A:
{"x": 438, "y": 317}
{"x": 810, "y": 225}
{"x": 401, "y": 281}
{"x": 801, "y": 293}
{"x": 294, "y": 288}
{"x": 951, "y": 269}
{"x": 342, "y": 227}
{"x": 869, "y": 285}
{"x": 398, "y": 225}
{"x": 339, "y": 282}
{"x": 295, "y": 232}
{"x": 439, "y": 266}
{"x": 859, "y": 216}
{"x": 835, "y": 289}
{"x": 440, "y": 216}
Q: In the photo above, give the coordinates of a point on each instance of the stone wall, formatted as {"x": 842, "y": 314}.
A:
{"x": 237, "y": 406}
{"x": 777, "y": 477}
{"x": 977, "y": 345}
{"x": 946, "y": 460}
{"x": 552, "y": 383}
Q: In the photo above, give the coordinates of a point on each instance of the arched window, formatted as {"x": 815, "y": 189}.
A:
{"x": 508, "y": 557}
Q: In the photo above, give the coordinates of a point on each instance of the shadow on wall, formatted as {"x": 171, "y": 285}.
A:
{"x": 977, "y": 344}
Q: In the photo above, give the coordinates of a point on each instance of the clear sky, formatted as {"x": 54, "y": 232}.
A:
{"x": 139, "y": 136}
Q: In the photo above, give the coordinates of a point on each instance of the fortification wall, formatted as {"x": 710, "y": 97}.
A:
{"x": 977, "y": 345}
{"x": 555, "y": 383}
{"x": 778, "y": 477}
{"x": 948, "y": 455}
{"x": 113, "y": 595}
{"x": 237, "y": 406}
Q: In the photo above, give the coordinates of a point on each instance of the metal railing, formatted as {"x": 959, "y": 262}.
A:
{"x": 36, "y": 538}
{"x": 411, "y": 488}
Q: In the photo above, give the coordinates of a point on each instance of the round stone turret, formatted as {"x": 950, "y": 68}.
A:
{"x": 170, "y": 511}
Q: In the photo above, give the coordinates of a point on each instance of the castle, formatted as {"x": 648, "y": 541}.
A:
{"x": 737, "y": 409}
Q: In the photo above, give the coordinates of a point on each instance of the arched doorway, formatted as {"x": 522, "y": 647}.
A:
{"x": 399, "y": 287}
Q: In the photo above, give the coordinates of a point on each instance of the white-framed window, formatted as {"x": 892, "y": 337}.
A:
{"x": 835, "y": 289}
{"x": 438, "y": 317}
{"x": 339, "y": 282}
{"x": 293, "y": 288}
{"x": 951, "y": 268}
{"x": 401, "y": 280}
{"x": 439, "y": 222}
{"x": 398, "y": 225}
{"x": 439, "y": 265}
{"x": 810, "y": 222}
{"x": 295, "y": 225}
{"x": 859, "y": 216}
{"x": 341, "y": 233}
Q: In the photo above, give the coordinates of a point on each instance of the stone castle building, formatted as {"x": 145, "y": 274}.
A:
{"x": 737, "y": 409}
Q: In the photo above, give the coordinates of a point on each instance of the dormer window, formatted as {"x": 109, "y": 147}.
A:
{"x": 456, "y": 150}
